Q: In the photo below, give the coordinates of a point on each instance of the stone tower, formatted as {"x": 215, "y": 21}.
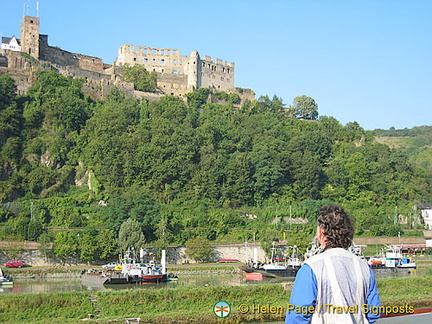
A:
{"x": 30, "y": 36}
{"x": 193, "y": 72}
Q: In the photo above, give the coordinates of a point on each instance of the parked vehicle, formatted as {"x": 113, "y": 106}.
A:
{"x": 110, "y": 265}
{"x": 16, "y": 264}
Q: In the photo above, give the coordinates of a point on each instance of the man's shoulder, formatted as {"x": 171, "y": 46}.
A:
{"x": 329, "y": 253}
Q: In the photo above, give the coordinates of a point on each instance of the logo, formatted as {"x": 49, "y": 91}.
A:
{"x": 222, "y": 309}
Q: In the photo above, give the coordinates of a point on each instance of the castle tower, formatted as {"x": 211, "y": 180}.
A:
{"x": 30, "y": 36}
{"x": 193, "y": 71}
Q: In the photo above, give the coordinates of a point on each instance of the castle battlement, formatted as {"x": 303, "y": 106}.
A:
{"x": 177, "y": 74}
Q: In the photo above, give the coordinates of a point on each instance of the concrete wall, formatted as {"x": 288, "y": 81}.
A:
{"x": 175, "y": 254}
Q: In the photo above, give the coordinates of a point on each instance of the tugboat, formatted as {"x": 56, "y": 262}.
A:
{"x": 132, "y": 271}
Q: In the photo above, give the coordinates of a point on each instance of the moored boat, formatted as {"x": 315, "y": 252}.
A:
{"x": 5, "y": 280}
{"x": 132, "y": 271}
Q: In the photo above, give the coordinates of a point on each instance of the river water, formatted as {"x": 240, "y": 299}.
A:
{"x": 44, "y": 285}
{"x": 39, "y": 285}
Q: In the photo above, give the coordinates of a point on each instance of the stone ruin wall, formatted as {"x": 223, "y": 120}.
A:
{"x": 160, "y": 60}
{"x": 20, "y": 68}
{"x": 63, "y": 58}
{"x": 179, "y": 74}
{"x": 217, "y": 75}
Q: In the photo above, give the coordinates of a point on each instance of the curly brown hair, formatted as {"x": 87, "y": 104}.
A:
{"x": 337, "y": 226}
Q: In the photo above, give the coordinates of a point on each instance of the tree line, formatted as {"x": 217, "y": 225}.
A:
{"x": 187, "y": 169}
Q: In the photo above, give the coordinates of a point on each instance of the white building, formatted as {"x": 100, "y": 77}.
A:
{"x": 10, "y": 43}
{"x": 426, "y": 212}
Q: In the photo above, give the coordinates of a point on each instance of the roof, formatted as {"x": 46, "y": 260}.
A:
{"x": 7, "y": 40}
{"x": 425, "y": 205}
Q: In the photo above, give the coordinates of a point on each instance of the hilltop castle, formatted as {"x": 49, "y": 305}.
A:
{"x": 176, "y": 74}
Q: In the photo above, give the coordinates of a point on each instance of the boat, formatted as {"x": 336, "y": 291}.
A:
{"x": 5, "y": 280}
{"x": 277, "y": 267}
{"x": 391, "y": 258}
{"x": 132, "y": 272}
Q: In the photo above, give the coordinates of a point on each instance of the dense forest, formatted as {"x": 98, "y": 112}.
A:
{"x": 73, "y": 171}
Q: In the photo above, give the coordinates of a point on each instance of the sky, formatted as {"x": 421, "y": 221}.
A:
{"x": 364, "y": 61}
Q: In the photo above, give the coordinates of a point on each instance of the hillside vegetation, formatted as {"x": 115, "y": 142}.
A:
{"x": 207, "y": 168}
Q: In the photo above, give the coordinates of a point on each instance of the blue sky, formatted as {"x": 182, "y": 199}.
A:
{"x": 368, "y": 61}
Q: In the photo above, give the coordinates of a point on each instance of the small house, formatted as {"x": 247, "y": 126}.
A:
{"x": 426, "y": 212}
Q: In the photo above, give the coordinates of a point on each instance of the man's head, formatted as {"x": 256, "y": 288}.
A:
{"x": 335, "y": 228}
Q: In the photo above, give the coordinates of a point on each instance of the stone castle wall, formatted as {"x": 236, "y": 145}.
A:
{"x": 177, "y": 74}
{"x": 63, "y": 58}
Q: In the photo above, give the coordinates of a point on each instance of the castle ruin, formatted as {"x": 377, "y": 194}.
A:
{"x": 176, "y": 74}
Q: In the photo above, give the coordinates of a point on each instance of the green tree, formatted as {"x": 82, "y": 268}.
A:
{"x": 130, "y": 236}
{"x": 305, "y": 107}
{"x": 199, "y": 249}
{"x": 107, "y": 244}
{"x": 66, "y": 245}
{"x": 34, "y": 230}
{"x": 197, "y": 98}
{"x": 141, "y": 78}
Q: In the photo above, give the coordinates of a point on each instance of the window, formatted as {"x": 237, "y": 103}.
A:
{"x": 145, "y": 60}
{"x": 145, "y": 51}
{"x": 163, "y": 61}
{"x": 180, "y": 61}
{"x": 154, "y": 52}
{"x": 174, "y": 72}
{"x": 162, "y": 52}
{"x": 174, "y": 62}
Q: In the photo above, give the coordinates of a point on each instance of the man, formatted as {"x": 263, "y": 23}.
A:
{"x": 334, "y": 286}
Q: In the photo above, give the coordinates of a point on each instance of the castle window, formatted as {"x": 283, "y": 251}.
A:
{"x": 134, "y": 59}
{"x": 163, "y": 70}
{"x": 168, "y": 52}
{"x": 162, "y": 52}
{"x": 228, "y": 71}
{"x": 162, "y": 61}
{"x": 180, "y": 72}
{"x": 145, "y": 51}
{"x": 180, "y": 61}
{"x": 74, "y": 56}
{"x": 154, "y": 52}
{"x": 174, "y": 72}
{"x": 174, "y": 62}
{"x": 154, "y": 60}
{"x": 145, "y": 60}
{"x": 31, "y": 21}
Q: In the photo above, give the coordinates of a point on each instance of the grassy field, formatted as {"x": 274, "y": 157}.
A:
{"x": 182, "y": 304}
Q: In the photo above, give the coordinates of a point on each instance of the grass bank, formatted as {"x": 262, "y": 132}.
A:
{"x": 183, "y": 304}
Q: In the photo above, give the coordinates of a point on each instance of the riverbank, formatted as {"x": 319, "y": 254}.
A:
{"x": 76, "y": 271}
{"x": 184, "y": 304}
